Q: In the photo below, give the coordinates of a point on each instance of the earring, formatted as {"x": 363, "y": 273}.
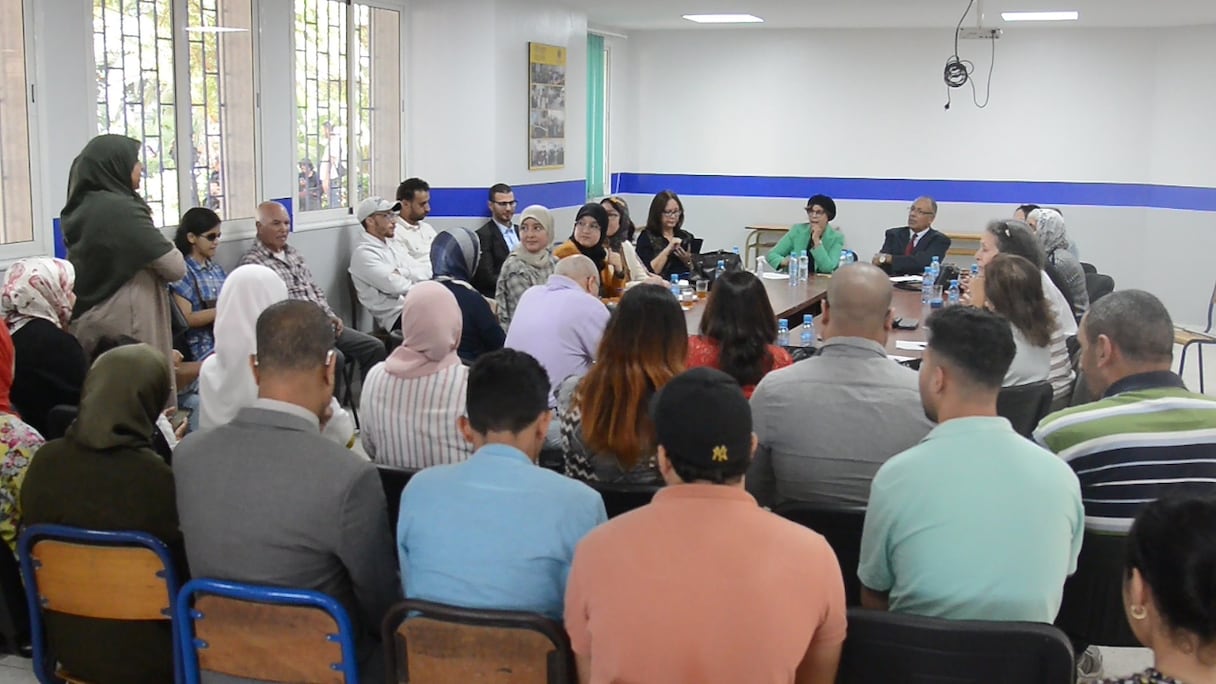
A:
{"x": 1138, "y": 612}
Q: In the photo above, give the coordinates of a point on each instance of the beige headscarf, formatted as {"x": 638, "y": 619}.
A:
{"x": 545, "y": 218}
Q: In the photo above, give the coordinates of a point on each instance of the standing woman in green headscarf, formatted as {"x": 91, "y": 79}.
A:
{"x": 104, "y": 475}
{"x": 124, "y": 264}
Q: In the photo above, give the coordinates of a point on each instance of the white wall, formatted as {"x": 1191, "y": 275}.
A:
{"x": 1115, "y": 106}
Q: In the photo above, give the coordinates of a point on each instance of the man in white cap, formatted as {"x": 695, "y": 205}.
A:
{"x": 380, "y": 267}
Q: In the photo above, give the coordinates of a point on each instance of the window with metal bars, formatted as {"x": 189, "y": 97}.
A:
{"x": 189, "y": 102}
{"x": 348, "y": 102}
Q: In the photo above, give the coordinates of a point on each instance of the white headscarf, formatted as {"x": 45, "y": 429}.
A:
{"x": 225, "y": 381}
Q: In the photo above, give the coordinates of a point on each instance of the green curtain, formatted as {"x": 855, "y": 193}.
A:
{"x": 597, "y": 182}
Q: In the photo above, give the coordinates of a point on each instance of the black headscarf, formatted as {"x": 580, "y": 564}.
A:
{"x": 597, "y": 253}
{"x": 107, "y": 226}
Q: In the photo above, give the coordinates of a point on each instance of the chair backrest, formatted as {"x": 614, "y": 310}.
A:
{"x": 1025, "y": 405}
{"x": 394, "y": 481}
{"x": 430, "y": 642}
{"x": 1092, "y": 608}
{"x": 96, "y": 574}
{"x": 887, "y": 647}
{"x": 1098, "y": 285}
{"x": 622, "y": 497}
{"x": 1087, "y": 267}
{"x": 264, "y": 633}
{"x": 841, "y": 527}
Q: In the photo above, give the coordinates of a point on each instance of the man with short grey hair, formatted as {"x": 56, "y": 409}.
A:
{"x": 907, "y": 250}
{"x": 265, "y": 499}
{"x": 561, "y": 322}
{"x": 1147, "y": 436}
{"x": 826, "y": 424}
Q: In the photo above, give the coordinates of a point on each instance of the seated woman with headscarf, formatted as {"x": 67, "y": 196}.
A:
{"x": 454, "y": 258}
{"x": 36, "y": 302}
{"x": 410, "y": 402}
{"x": 18, "y": 442}
{"x": 225, "y": 380}
{"x": 1048, "y": 227}
{"x": 103, "y": 475}
{"x": 530, "y": 264}
{"x": 123, "y": 263}
{"x": 590, "y": 234}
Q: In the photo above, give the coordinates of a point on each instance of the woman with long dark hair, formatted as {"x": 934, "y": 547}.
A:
{"x": 1014, "y": 289}
{"x": 738, "y": 329}
{"x": 606, "y": 433}
{"x": 620, "y": 238}
{"x": 664, "y": 246}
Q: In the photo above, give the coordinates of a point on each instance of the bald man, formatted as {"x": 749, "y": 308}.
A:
{"x": 561, "y": 322}
{"x": 826, "y": 424}
{"x": 272, "y": 251}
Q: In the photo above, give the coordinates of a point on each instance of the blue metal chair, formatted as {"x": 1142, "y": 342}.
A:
{"x": 95, "y": 574}
{"x": 264, "y": 633}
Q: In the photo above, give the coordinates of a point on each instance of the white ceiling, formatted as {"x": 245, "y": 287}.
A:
{"x": 640, "y": 15}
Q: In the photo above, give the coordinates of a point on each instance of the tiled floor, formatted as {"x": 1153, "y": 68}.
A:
{"x": 16, "y": 670}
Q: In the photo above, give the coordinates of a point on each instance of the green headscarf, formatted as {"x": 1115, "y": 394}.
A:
{"x": 107, "y": 226}
{"x": 125, "y": 390}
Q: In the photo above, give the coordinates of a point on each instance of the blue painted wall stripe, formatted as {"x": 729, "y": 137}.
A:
{"x": 471, "y": 202}
{"x": 896, "y": 189}
{"x": 61, "y": 250}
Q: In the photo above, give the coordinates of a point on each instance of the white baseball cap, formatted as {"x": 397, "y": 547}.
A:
{"x": 375, "y": 205}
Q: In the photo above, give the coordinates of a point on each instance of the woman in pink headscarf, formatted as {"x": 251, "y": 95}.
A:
{"x": 411, "y": 401}
{"x": 36, "y": 303}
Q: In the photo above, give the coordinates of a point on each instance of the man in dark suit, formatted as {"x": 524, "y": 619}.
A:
{"x": 907, "y": 250}
{"x": 499, "y": 236}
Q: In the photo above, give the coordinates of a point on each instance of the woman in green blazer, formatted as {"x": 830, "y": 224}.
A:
{"x": 816, "y": 236}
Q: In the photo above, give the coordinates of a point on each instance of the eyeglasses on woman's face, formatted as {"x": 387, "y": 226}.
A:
{"x": 672, "y": 212}
{"x": 815, "y": 211}
{"x": 211, "y": 237}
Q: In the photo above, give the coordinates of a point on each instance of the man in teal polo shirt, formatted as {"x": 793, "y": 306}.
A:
{"x": 975, "y": 522}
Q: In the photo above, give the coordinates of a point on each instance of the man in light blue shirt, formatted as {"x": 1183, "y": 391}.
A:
{"x": 496, "y": 532}
{"x": 975, "y": 522}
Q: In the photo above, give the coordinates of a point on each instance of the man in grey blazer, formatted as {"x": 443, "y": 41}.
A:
{"x": 267, "y": 500}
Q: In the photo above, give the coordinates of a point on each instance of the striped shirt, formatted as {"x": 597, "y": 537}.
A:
{"x": 411, "y": 423}
{"x": 1148, "y": 437}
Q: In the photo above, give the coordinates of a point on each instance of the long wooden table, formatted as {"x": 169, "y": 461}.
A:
{"x": 789, "y": 302}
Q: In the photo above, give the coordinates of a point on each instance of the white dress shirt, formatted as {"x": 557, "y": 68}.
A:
{"x": 383, "y": 272}
{"x": 508, "y": 234}
{"x": 416, "y": 240}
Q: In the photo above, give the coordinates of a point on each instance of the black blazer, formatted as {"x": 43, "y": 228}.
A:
{"x": 932, "y": 244}
{"x": 493, "y": 253}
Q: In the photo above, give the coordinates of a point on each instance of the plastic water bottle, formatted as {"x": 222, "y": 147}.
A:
{"x": 808, "y": 330}
{"x": 846, "y": 258}
{"x": 719, "y": 270}
{"x": 736, "y": 251}
{"x": 975, "y": 270}
{"x": 804, "y": 267}
{"x": 761, "y": 265}
{"x": 675, "y": 286}
{"x": 926, "y": 286}
{"x": 954, "y": 292}
{"x": 935, "y": 267}
{"x": 793, "y": 270}
{"x": 783, "y": 333}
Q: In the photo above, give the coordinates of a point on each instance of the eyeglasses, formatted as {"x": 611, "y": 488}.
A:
{"x": 211, "y": 237}
{"x": 505, "y": 204}
{"x": 815, "y": 212}
{"x": 919, "y": 211}
{"x": 674, "y": 212}
{"x": 587, "y": 225}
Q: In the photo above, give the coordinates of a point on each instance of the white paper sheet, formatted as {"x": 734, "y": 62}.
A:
{"x": 910, "y": 345}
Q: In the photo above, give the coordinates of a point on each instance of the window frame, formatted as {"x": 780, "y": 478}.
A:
{"x": 336, "y": 217}
{"x": 237, "y": 228}
{"x": 42, "y": 234}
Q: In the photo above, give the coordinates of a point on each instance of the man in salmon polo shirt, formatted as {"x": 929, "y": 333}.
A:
{"x": 703, "y": 585}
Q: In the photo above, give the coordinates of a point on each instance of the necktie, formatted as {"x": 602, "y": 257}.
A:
{"x": 911, "y": 244}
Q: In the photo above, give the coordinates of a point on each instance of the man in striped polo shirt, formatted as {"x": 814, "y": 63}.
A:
{"x": 1148, "y": 436}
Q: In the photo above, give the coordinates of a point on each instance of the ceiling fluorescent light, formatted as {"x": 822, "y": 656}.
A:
{"x": 214, "y": 29}
{"x": 1040, "y": 16}
{"x": 724, "y": 18}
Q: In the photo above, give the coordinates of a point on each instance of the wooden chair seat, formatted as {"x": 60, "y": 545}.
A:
{"x": 1183, "y": 336}
{"x": 440, "y": 651}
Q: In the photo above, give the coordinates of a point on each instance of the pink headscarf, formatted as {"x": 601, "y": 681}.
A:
{"x": 431, "y": 324}
{"x": 38, "y": 287}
